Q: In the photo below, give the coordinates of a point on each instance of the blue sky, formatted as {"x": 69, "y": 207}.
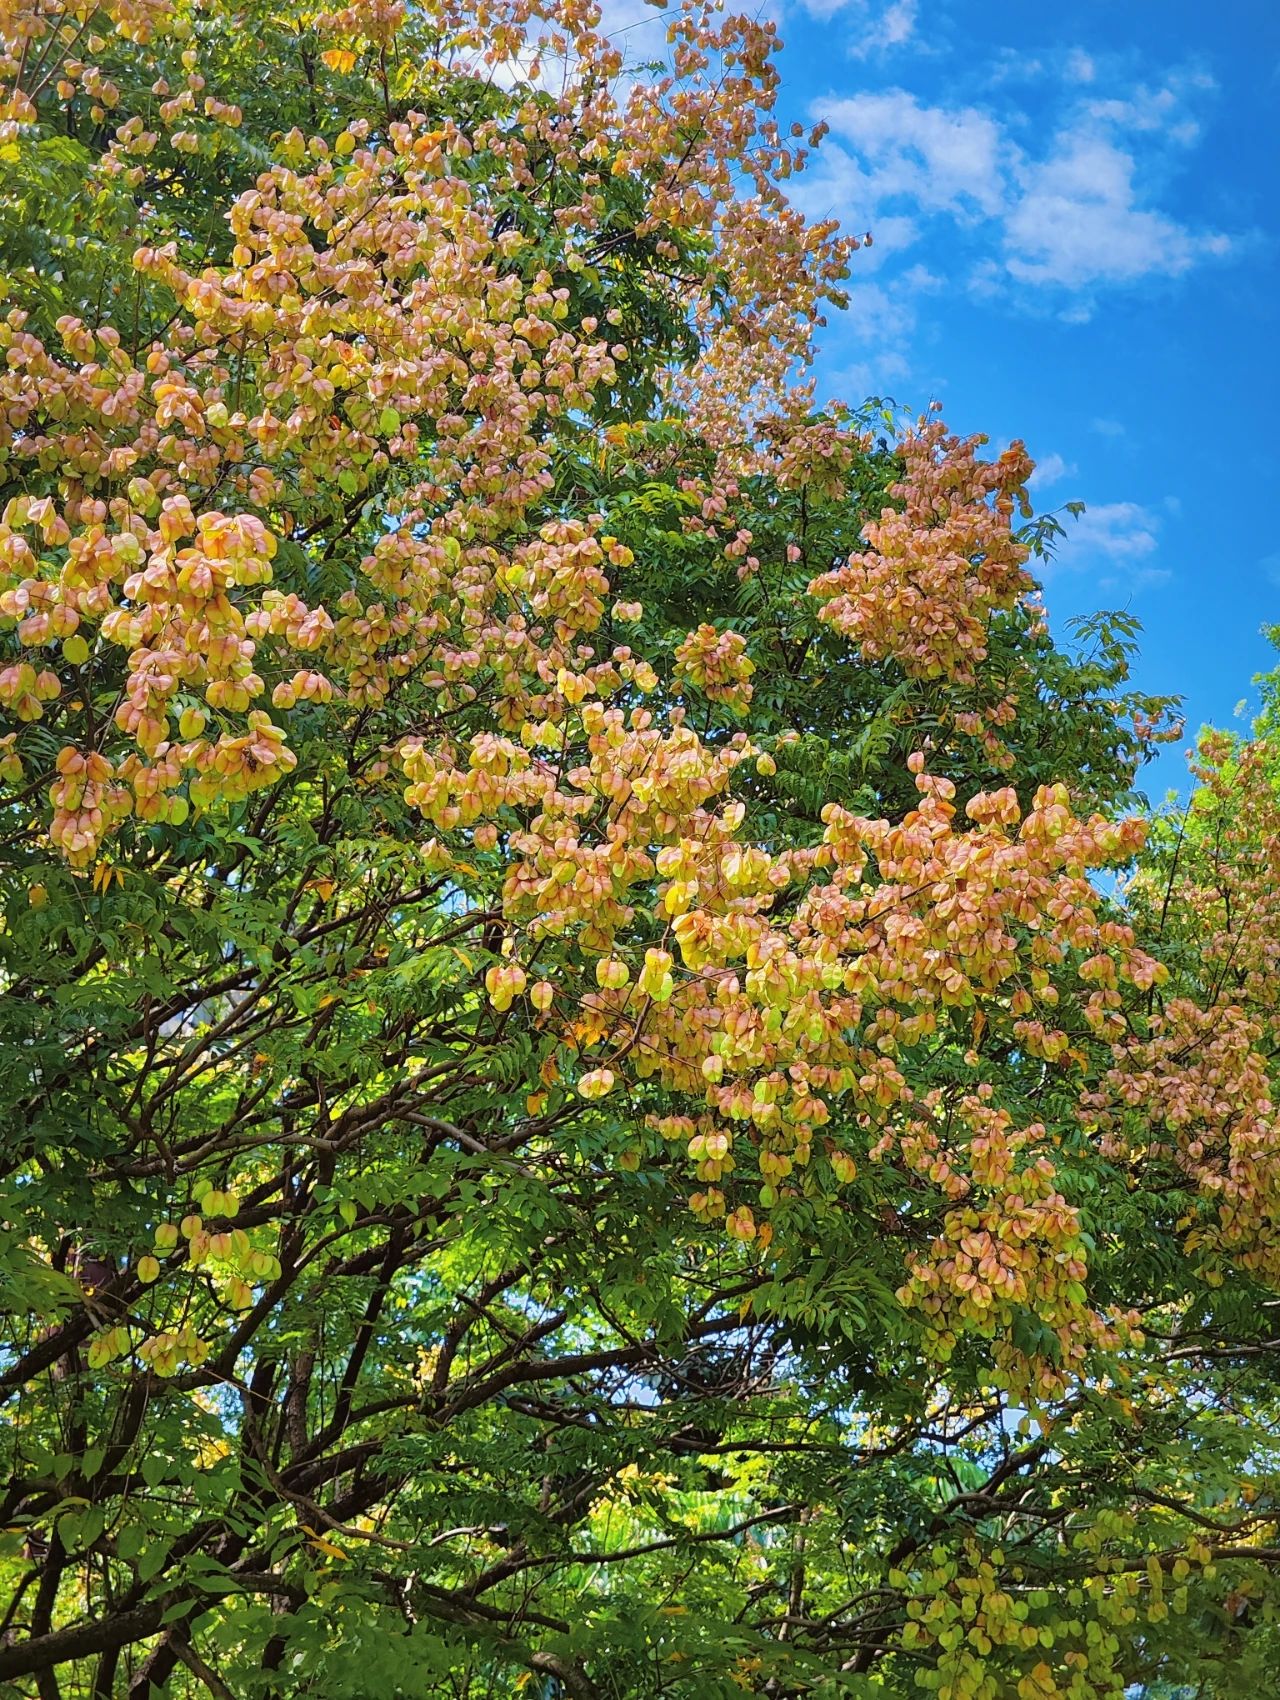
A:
{"x": 1076, "y": 211}
{"x": 1076, "y": 214}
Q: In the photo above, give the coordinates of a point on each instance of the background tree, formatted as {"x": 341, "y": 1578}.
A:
{"x": 576, "y": 1121}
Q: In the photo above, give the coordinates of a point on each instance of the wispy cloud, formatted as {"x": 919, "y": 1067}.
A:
{"x": 872, "y": 27}
{"x": 1080, "y": 67}
{"x": 882, "y": 320}
{"x": 1114, "y": 544}
{"x": 895, "y": 27}
{"x": 1051, "y": 469}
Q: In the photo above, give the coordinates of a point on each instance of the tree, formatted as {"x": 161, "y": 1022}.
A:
{"x": 577, "y": 1122}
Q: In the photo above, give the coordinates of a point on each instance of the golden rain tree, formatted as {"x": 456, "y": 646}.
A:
{"x": 577, "y": 1117}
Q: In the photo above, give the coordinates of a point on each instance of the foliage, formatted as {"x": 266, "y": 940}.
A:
{"x": 578, "y": 1118}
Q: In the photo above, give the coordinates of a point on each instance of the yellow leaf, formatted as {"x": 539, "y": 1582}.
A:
{"x": 326, "y": 1547}
{"x": 339, "y": 59}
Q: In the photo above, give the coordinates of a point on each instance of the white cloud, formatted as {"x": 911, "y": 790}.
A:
{"x": 1107, "y": 427}
{"x": 1051, "y": 469}
{"x": 874, "y": 26}
{"x": 894, "y": 28}
{"x": 1011, "y": 65}
{"x": 1115, "y": 529}
{"x": 1080, "y": 67}
{"x": 1162, "y": 109}
{"x": 943, "y": 160}
{"x": 878, "y": 314}
{"x": 1056, "y": 221}
{"x": 879, "y": 376}
{"x": 921, "y": 280}
{"x": 881, "y": 321}
{"x": 1112, "y": 542}
{"x": 1075, "y": 220}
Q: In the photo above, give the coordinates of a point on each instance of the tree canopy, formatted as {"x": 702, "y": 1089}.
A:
{"x": 606, "y": 1089}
